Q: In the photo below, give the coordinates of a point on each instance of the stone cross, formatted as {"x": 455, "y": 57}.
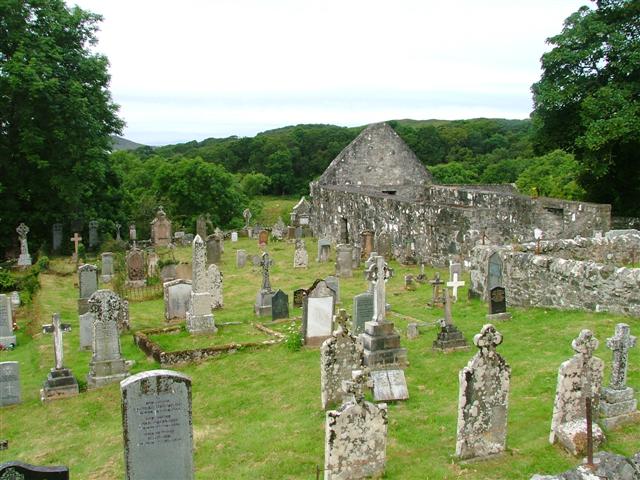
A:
{"x": 437, "y": 284}
{"x": 356, "y": 387}
{"x": 247, "y": 216}
{"x": 118, "y": 226}
{"x": 447, "y": 320}
{"x": 76, "y": 239}
{"x": 487, "y": 340}
{"x": 341, "y": 319}
{"x": 23, "y": 230}
{"x": 455, "y": 284}
{"x": 265, "y": 263}
{"x": 57, "y": 329}
{"x": 620, "y": 344}
{"x": 378, "y": 273}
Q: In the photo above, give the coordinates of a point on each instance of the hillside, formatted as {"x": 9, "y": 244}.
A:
{"x": 120, "y": 143}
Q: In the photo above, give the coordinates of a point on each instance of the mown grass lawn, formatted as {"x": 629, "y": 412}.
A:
{"x": 256, "y": 414}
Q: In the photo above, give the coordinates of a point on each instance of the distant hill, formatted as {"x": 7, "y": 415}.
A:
{"x": 120, "y": 143}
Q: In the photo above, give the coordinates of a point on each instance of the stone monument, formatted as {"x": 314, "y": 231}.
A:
{"x": 87, "y": 284}
{"x": 60, "y": 382}
{"x": 214, "y": 248}
{"x": 107, "y": 267}
{"x": 498, "y": 305}
{"x": 344, "y": 261}
{"x": 56, "y": 242}
{"x": 177, "y": 295}
{"x": 9, "y": 383}
{"x": 317, "y": 313}
{"x": 199, "y": 316}
{"x": 93, "y": 234}
{"x": 7, "y": 338}
{"x": 300, "y": 256}
{"x": 136, "y": 268}
{"x": 160, "y": 229}
{"x": 262, "y": 307}
{"x": 214, "y": 286}
{"x": 25, "y": 259}
{"x": 449, "y": 338}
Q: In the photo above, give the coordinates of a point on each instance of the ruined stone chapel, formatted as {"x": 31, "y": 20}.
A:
{"x": 377, "y": 183}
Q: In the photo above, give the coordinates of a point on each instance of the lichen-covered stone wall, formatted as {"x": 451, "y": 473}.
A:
{"x": 549, "y": 280}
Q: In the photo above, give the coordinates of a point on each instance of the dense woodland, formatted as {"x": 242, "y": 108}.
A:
{"x": 57, "y": 116}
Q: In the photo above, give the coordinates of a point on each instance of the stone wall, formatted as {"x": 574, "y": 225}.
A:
{"x": 550, "y": 280}
{"x": 444, "y": 222}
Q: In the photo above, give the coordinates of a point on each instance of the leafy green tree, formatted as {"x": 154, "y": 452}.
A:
{"x": 552, "y": 175}
{"x": 454, "y": 172}
{"x": 56, "y": 115}
{"x": 254, "y": 184}
{"x": 588, "y": 100}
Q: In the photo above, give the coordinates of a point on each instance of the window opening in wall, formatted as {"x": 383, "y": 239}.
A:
{"x": 389, "y": 192}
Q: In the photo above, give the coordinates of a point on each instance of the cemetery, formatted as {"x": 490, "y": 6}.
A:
{"x": 259, "y": 389}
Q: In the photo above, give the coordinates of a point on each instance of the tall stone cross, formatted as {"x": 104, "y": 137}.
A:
{"x": 22, "y": 231}
{"x": 454, "y": 285}
{"x": 448, "y": 318}
{"x": 266, "y": 263}
{"x": 437, "y": 296}
{"x": 118, "y": 226}
{"x": 76, "y": 239}
{"x": 247, "y": 216}
{"x": 487, "y": 340}
{"x": 378, "y": 273}
{"x": 57, "y": 329}
{"x": 620, "y": 344}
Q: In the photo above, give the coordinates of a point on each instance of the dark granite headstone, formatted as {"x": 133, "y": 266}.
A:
{"x": 20, "y": 470}
{"x": 497, "y": 301}
{"x": 495, "y": 271}
{"x": 298, "y": 297}
{"x": 279, "y": 305}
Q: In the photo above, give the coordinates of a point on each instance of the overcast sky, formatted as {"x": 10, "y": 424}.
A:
{"x": 193, "y": 69}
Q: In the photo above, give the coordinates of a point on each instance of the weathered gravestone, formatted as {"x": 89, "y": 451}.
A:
{"x": 494, "y": 272}
{"x": 255, "y": 260}
{"x": 107, "y": 364}
{"x": 291, "y": 233}
{"x": 118, "y": 237}
{"x": 278, "y": 229}
{"x": 157, "y": 426}
{"x": 449, "y": 337}
{"x": 133, "y": 235}
{"x": 362, "y": 312}
{"x": 214, "y": 248}
{"x": 56, "y": 242}
{"x": 199, "y": 316}
{"x": 618, "y": 404}
{"x": 177, "y": 295}
{"x": 24, "y": 471}
{"x": 317, "y": 313}
{"x": 153, "y": 259}
{"x": 498, "y": 304}
{"x": 86, "y": 330}
{"x": 366, "y": 237}
{"x": 214, "y": 286}
{"x": 437, "y": 294}
{"x": 87, "y": 284}
{"x": 93, "y": 234}
{"x": 60, "y": 382}
{"x": 355, "y": 435}
{"x": 7, "y": 338}
{"x": 263, "y": 238}
{"x": 9, "y": 383}
{"x": 409, "y": 283}
{"x": 340, "y": 355}
{"x": 334, "y": 284}
{"x": 412, "y": 330}
{"x": 136, "y": 268}
{"x": 384, "y": 245}
{"x": 344, "y": 261}
{"x": 241, "y": 258}
{"x": 324, "y": 250}
{"x": 300, "y": 256}
{"x": 279, "y": 305}
{"x": 298, "y": 297}
{"x": 24, "y": 260}
{"x": 201, "y": 225}
{"x": 107, "y": 267}
{"x": 483, "y": 399}
{"x": 160, "y": 229}
{"x": 579, "y": 378}
{"x": 389, "y": 385}
{"x": 356, "y": 255}
{"x": 234, "y": 237}
{"x": 262, "y": 307}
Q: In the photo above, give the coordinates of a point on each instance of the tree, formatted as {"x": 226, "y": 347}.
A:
{"x": 552, "y": 175}
{"x": 56, "y": 115}
{"x": 588, "y": 100}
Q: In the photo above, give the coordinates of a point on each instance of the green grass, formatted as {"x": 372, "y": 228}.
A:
{"x": 256, "y": 413}
{"x": 226, "y": 334}
{"x": 275, "y": 207}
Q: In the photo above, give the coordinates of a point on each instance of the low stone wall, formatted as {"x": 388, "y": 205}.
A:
{"x": 551, "y": 281}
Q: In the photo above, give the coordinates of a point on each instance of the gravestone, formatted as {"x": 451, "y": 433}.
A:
{"x": 93, "y": 234}
{"x": 107, "y": 267}
{"x": 618, "y": 404}
{"x": 384, "y": 245}
{"x": 366, "y": 236}
{"x": 56, "y": 242}
{"x": 317, "y": 313}
{"x": 299, "y": 233}
{"x": 214, "y": 248}
{"x": 455, "y": 272}
{"x": 60, "y": 382}
{"x": 86, "y": 330}
{"x": 214, "y": 286}
{"x": 168, "y": 272}
{"x": 241, "y": 258}
{"x": 7, "y": 338}
{"x": 367, "y": 264}
{"x": 279, "y": 305}
{"x": 255, "y": 260}
{"x": 324, "y": 250}
{"x": 437, "y": 293}
{"x": 184, "y": 270}
{"x": 300, "y": 256}
{"x": 412, "y": 330}
{"x": 362, "y": 312}
{"x": 118, "y": 237}
{"x": 234, "y": 237}
{"x": 133, "y": 235}
{"x": 157, "y": 426}
{"x": 340, "y": 355}
{"x": 76, "y": 239}
{"x": 483, "y": 399}
{"x": 579, "y": 378}
{"x": 449, "y": 338}
{"x": 298, "y": 297}
{"x": 199, "y": 317}
{"x": 201, "y": 225}
{"x": 24, "y": 260}
{"x": 87, "y": 280}
{"x": 15, "y": 300}
{"x": 177, "y": 295}
{"x": 494, "y": 272}
{"x": 263, "y": 238}
{"x": 278, "y": 229}
{"x": 9, "y": 383}
{"x": 301, "y": 213}
{"x": 409, "y": 283}
{"x": 262, "y": 307}
{"x": 107, "y": 364}
{"x": 355, "y": 435}
{"x": 247, "y": 216}
{"x": 356, "y": 255}
{"x": 160, "y": 229}
{"x": 334, "y": 284}
{"x": 455, "y": 268}
{"x": 389, "y": 385}
{"x": 291, "y": 233}
{"x": 498, "y": 304}
{"x": 23, "y": 471}
{"x": 136, "y": 268}
{"x": 344, "y": 261}
{"x": 152, "y": 263}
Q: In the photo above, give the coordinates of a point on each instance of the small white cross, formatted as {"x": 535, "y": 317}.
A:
{"x": 455, "y": 284}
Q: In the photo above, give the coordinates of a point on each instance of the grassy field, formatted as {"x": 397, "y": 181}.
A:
{"x": 256, "y": 414}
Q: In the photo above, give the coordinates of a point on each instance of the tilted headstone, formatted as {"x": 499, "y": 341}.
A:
{"x": 241, "y": 258}
{"x": 483, "y": 399}
{"x": 618, "y": 404}
{"x": 389, "y": 385}
{"x": 262, "y": 307}
{"x": 7, "y": 338}
{"x": 87, "y": 284}
{"x": 344, "y": 261}
{"x": 9, "y": 383}
{"x": 157, "y": 426}
{"x": 340, "y": 355}
{"x": 93, "y": 234}
{"x": 136, "y": 267}
{"x": 214, "y": 285}
{"x": 317, "y": 313}
{"x": 498, "y": 304}
{"x": 356, "y": 435}
{"x": 362, "y": 311}
{"x": 300, "y": 256}
{"x": 24, "y": 260}
{"x": 161, "y": 229}
{"x": 449, "y": 337}
{"x": 107, "y": 267}
{"x": 199, "y": 316}
{"x": 56, "y": 242}
{"x": 60, "y": 382}
{"x": 177, "y": 295}
{"x": 24, "y": 471}
{"x": 214, "y": 248}
{"x": 107, "y": 364}
{"x": 324, "y": 250}
{"x": 279, "y": 305}
{"x": 579, "y": 378}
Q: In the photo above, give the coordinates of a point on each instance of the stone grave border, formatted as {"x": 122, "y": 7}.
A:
{"x": 152, "y": 349}
{"x": 141, "y": 294}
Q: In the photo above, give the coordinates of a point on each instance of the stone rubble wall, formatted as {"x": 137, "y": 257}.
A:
{"x": 551, "y": 281}
{"x": 446, "y": 222}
